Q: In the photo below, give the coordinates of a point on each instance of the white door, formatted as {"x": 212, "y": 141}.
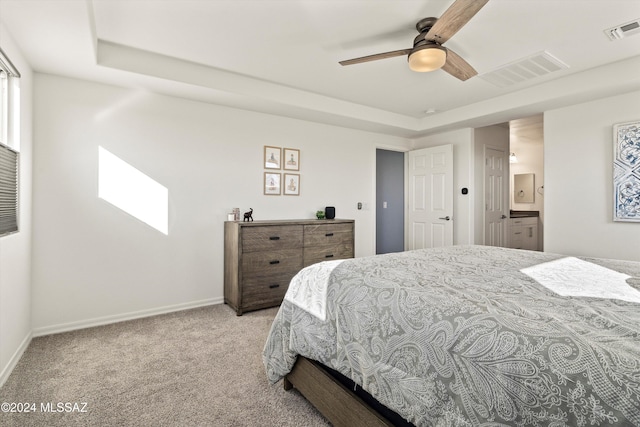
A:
{"x": 495, "y": 197}
{"x": 430, "y": 210}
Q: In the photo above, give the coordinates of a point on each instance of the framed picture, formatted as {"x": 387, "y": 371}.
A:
{"x": 291, "y": 184}
{"x": 291, "y": 159}
{"x": 626, "y": 170}
{"x": 272, "y": 184}
{"x": 272, "y": 158}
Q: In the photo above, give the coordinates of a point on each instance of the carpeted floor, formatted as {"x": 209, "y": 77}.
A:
{"x": 199, "y": 367}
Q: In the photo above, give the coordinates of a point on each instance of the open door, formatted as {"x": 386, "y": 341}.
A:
{"x": 390, "y": 201}
{"x": 496, "y": 178}
{"x": 430, "y": 204}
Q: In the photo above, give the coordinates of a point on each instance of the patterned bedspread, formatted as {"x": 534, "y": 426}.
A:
{"x": 477, "y": 335}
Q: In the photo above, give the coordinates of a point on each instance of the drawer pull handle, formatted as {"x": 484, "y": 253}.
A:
{"x": 275, "y": 285}
{"x": 274, "y": 238}
{"x": 274, "y": 262}
{"x": 329, "y": 234}
{"x": 329, "y": 256}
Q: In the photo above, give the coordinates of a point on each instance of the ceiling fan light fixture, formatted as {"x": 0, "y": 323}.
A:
{"x": 428, "y": 57}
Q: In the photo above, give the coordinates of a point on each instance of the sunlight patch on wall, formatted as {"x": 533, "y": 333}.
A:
{"x": 127, "y": 188}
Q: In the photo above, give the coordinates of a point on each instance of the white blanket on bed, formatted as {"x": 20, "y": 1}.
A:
{"x": 308, "y": 288}
{"x": 575, "y": 277}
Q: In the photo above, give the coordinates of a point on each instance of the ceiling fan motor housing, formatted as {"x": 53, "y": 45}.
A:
{"x": 425, "y": 24}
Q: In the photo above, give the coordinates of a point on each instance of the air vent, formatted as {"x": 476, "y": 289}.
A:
{"x": 524, "y": 69}
{"x": 624, "y": 30}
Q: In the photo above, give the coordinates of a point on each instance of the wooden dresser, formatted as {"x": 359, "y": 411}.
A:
{"x": 261, "y": 257}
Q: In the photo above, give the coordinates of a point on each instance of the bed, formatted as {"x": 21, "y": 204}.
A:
{"x": 463, "y": 336}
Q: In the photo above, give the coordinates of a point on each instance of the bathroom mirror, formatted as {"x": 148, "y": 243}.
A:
{"x": 523, "y": 188}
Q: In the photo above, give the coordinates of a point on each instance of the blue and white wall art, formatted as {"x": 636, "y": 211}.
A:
{"x": 626, "y": 171}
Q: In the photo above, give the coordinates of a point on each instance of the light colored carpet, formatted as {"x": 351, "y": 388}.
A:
{"x": 199, "y": 367}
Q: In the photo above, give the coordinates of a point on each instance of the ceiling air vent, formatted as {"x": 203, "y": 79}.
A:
{"x": 524, "y": 69}
{"x": 624, "y": 30}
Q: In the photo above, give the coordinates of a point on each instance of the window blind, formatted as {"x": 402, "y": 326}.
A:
{"x": 8, "y": 156}
{"x": 8, "y": 190}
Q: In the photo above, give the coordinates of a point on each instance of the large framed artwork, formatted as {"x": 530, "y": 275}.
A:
{"x": 626, "y": 172}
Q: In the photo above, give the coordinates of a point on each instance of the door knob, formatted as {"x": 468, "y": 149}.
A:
{"x": 446, "y": 218}
{"x": 503, "y": 216}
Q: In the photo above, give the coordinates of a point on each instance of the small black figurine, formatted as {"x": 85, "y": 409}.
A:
{"x": 248, "y": 216}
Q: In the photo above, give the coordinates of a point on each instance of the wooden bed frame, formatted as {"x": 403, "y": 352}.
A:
{"x": 340, "y": 405}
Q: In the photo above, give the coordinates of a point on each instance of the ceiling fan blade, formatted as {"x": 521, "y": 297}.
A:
{"x": 454, "y": 18}
{"x": 376, "y": 57}
{"x": 458, "y": 67}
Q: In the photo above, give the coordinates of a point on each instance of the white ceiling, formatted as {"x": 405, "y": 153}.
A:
{"x": 281, "y": 57}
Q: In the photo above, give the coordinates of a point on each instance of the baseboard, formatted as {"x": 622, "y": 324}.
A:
{"x": 6, "y": 371}
{"x": 98, "y": 321}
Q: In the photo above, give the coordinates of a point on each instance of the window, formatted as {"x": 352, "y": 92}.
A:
{"x": 9, "y": 157}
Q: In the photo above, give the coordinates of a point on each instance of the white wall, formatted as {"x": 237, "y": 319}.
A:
{"x": 15, "y": 249}
{"x": 463, "y": 170}
{"x": 93, "y": 263}
{"x": 578, "y": 156}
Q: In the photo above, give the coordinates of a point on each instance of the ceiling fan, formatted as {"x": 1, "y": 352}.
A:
{"x": 427, "y": 53}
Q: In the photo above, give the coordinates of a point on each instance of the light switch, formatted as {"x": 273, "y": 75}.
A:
{"x": 384, "y": 205}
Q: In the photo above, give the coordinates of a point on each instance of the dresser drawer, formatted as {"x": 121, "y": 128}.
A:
{"x": 272, "y": 262}
{"x": 267, "y": 290}
{"x": 328, "y": 234}
{"x": 526, "y": 221}
{"x": 316, "y": 254}
{"x": 516, "y": 237}
{"x": 270, "y": 238}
